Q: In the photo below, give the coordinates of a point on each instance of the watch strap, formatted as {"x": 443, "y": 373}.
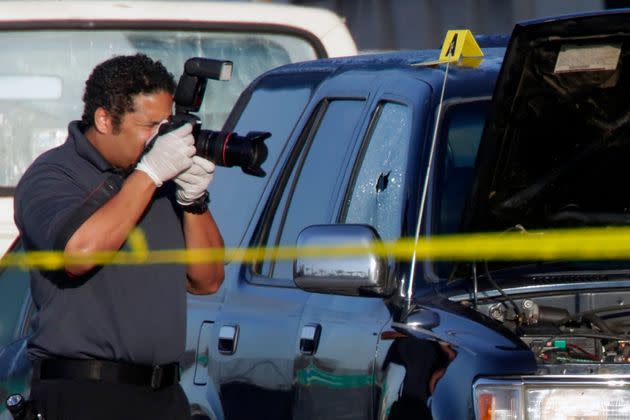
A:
{"x": 199, "y": 206}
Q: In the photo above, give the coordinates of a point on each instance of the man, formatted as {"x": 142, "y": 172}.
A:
{"x": 107, "y": 338}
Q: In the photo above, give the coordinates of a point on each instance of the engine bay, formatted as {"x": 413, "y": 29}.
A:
{"x": 583, "y": 330}
{"x": 578, "y": 349}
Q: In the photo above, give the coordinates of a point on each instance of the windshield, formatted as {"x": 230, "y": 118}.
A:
{"x": 43, "y": 75}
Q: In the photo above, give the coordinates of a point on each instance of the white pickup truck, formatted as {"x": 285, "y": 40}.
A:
{"x": 49, "y": 48}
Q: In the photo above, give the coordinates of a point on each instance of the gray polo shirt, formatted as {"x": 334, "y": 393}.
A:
{"x": 133, "y": 313}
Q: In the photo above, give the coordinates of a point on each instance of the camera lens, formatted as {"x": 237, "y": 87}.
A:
{"x": 226, "y": 148}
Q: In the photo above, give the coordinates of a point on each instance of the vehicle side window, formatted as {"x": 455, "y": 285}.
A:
{"x": 274, "y": 107}
{"x": 376, "y": 193}
{"x": 310, "y": 194}
{"x": 461, "y": 134}
{"x": 14, "y": 297}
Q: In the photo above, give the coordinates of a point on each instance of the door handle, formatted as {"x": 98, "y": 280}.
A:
{"x": 309, "y": 338}
{"x": 228, "y": 339}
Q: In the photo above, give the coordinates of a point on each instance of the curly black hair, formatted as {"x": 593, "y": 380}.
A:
{"x": 114, "y": 84}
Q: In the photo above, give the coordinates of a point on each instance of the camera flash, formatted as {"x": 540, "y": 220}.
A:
{"x": 226, "y": 71}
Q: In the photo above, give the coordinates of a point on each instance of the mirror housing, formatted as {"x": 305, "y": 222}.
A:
{"x": 351, "y": 275}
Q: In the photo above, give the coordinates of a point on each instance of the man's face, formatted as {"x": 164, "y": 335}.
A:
{"x": 138, "y": 127}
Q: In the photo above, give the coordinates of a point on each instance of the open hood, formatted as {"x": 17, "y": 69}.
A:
{"x": 555, "y": 150}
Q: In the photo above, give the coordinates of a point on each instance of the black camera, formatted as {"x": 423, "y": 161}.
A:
{"x": 223, "y": 148}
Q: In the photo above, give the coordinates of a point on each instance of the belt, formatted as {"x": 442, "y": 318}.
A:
{"x": 156, "y": 377}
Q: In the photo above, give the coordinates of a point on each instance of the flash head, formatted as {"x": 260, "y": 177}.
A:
{"x": 208, "y": 68}
{"x": 192, "y": 83}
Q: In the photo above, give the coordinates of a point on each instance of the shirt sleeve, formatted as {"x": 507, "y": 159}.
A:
{"x": 45, "y": 200}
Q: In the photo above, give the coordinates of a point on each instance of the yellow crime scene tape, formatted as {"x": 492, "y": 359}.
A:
{"x": 574, "y": 244}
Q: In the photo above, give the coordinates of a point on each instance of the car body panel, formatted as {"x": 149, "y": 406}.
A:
{"x": 341, "y": 379}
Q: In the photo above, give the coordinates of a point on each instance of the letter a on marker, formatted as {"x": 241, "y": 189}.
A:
{"x": 459, "y": 43}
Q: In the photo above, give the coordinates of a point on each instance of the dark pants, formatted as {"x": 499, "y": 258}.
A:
{"x": 90, "y": 400}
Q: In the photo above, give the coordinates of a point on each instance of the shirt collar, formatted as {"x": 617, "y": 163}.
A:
{"x": 85, "y": 149}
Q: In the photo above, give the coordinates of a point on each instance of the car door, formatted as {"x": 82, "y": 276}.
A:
{"x": 254, "y": 340}
{"x": 336, "y": 370}
{"x": 16, "y": 309}
{"x": 234, "y": 198}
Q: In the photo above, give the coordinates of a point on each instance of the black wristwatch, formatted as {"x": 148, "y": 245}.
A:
{"x": 199, "y": 206}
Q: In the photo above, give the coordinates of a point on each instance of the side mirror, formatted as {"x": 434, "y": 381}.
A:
{"x": 353, "y": 275}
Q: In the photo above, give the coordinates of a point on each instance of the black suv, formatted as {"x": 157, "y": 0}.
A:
{"x": 389, "y": 146}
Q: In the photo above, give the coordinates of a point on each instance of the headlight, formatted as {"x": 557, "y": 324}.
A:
{"x": 557, "y": 400}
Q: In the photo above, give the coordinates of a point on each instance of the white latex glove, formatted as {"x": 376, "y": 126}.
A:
{"x": 170, "y": 154}
{"x": 193, "y": 182}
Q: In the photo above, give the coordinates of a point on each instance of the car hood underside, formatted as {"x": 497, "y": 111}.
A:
{"x": 556, "y": 145}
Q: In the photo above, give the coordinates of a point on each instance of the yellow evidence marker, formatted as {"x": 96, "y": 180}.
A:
{"x": 459, "y": 46}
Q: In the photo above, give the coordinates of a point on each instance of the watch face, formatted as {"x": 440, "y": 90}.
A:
{"x": 14, "y": 400}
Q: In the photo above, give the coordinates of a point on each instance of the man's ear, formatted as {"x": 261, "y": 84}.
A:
{"x": 103, "y": 121}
